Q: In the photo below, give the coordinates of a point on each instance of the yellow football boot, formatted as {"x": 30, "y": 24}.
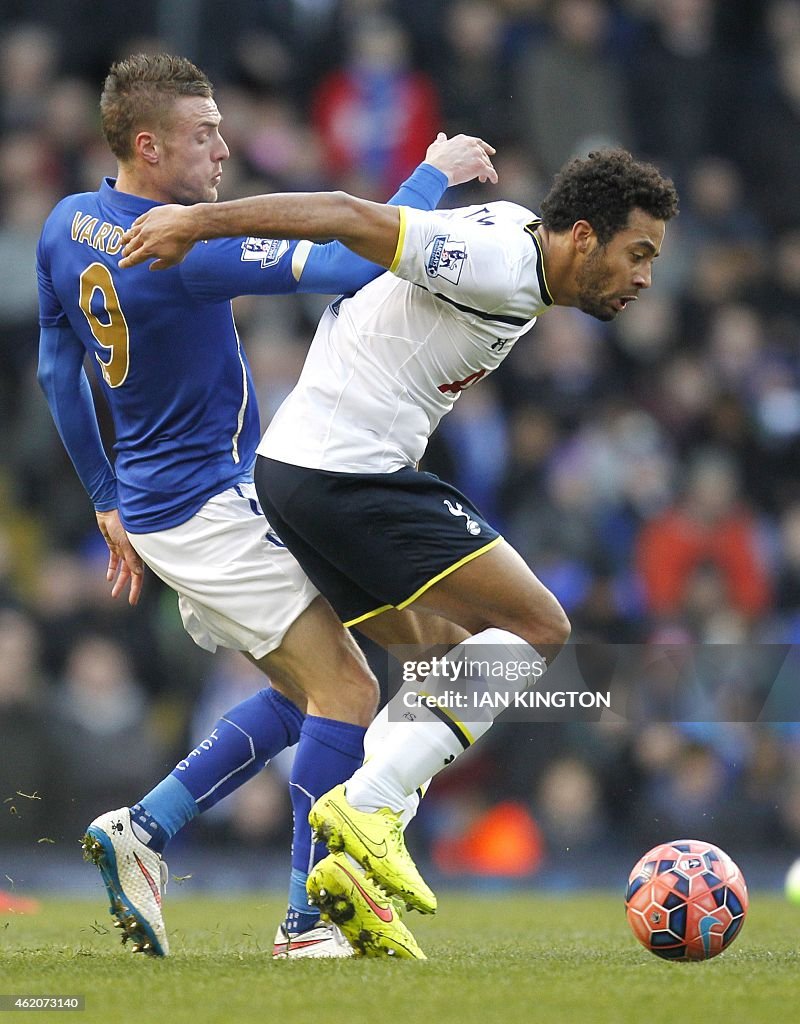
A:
{"x": 375, "y": 840}
{"x": 364, "y": 914}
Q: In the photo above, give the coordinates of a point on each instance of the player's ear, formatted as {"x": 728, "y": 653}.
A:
{"x": 146, "y": 146}
{"x": 582, "y": 236}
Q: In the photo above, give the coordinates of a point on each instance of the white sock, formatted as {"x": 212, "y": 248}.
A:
{"x": 374, "y": 739}
{"x": 401, "y": 757}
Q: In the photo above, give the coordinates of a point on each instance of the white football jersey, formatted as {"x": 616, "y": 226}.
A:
{"x": 388, "y": 362}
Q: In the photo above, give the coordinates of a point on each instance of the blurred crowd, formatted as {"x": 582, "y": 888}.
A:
{"x": 646, "y": 469}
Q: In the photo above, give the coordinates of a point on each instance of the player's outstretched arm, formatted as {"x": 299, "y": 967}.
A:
{"x": 166, "y": 233}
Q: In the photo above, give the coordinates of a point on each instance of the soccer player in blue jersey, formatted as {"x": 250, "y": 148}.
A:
{"x": 180, "y": 495}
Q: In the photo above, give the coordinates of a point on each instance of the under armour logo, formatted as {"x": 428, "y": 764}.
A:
{"x": 457, "y": 510}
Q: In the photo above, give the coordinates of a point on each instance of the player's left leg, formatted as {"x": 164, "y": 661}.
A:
{"x": 513, "y": 619}
{"x": 127, "y": 845}
{"x": 412, "y": 626}
{"x": 423, "y": 632}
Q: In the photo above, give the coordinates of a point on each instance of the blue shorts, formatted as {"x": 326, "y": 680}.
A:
{"x": 371, "y": 541}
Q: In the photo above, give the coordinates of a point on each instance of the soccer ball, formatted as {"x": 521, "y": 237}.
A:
{"x": 686, "y": 900}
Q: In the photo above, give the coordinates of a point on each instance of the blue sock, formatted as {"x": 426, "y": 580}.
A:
{"x": 236, "y": 749}
{"x": 329, "y": 752}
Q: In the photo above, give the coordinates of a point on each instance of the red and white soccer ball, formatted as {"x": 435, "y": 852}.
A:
{"x": 686, "y": 900}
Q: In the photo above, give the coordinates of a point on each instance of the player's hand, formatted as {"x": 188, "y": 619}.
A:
{"x": 163, "y": 234}
{"x": 124, "y": 565}
{"x": 462, "y": 158}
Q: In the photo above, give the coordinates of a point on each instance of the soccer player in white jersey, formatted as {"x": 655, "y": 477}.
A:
{"x": 180, "y": 495}
{"x": 337, "y": 474}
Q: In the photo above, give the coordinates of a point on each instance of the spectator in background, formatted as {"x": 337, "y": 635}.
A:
{"x": 568, "y": 805}
{"x": 676, "y": 85}
{"x": 729, "y": 426}
{"x": 20, "y": 547}
{"x": 39, "y": 467}
{"x": 768, "y": 121}
{"x": 717, "y": 219}
{"x": 716, "y": 208}
{"x": 568, "y": 97}
{"x": 70, "y": 130}
{"x": 376, "y": 114}
{"x": 71, "y": 601}
{"x": 565, "y": 367}
{"x": 103, "y": 740}
{"x": 28, "y": 193}
{"x": 676, "y": 800}
{"x": 279, "y": 48}
{"x": 710, "y": 526}
{"x": 532, "y": 437}
{"x": 644, "y": 340}
{"x": 474, "y": 78}
{"x": 759, "y": 368}
{"x": 787, "y": 587}
{"x": 737, "y": 349}
{"x": 279, "y": 146}
{"x": 781, "y": 302}
{"x": 28, "y": 62}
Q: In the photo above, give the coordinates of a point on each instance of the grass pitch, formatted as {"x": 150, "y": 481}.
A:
{"x": 493, "y": 958}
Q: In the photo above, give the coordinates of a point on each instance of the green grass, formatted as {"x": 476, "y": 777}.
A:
{"x": 506, "y": 959}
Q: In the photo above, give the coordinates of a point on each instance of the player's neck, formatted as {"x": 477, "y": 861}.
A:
{"x": 134, "y": 184}
{"x": 557, "y": 254}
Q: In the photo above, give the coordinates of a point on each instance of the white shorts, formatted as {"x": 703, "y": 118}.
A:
{"x": 237, "y": 585}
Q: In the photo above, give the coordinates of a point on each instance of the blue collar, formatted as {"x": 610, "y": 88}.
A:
{"x": 123, "y": 200}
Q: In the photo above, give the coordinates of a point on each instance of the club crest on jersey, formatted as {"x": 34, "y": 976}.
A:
{"x": 266, "y": 251}
{"x": 445, "y": 258}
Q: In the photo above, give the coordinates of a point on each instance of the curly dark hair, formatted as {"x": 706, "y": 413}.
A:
{"x": 135, "y": 91}
{"x": 603, "y": 189}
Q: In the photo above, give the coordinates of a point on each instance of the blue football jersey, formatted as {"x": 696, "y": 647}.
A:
{"x": 165, "y": 347}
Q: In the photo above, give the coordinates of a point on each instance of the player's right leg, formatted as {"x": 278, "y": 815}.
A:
{"x": 320, "y": 656}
